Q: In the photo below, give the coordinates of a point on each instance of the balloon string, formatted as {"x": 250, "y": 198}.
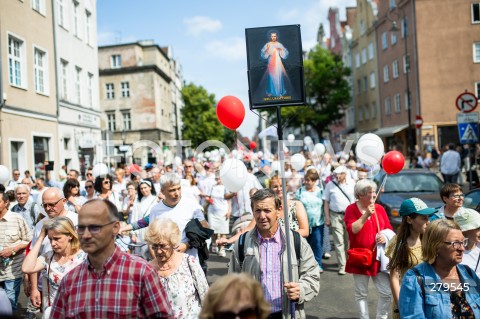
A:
{"x": 382, "y": 185}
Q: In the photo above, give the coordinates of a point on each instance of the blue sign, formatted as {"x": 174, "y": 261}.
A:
{"x": 468, "y": 127}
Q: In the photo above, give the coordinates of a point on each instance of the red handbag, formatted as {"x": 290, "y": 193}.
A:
{"x": 362, "y": 257}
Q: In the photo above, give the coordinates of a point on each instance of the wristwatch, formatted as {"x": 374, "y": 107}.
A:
{"x": 13, "y": 252}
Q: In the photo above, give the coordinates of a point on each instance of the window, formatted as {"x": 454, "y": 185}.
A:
{"x": 78, "y": 82}
{"x": 367, "y": 113}
{"x": 405, "y": 27}
{"x": 393, "y": 38}
{"x": 17, "y": 155}
{"x": 61, "y": 13}
{"x": 75, "y": 19}
{"x": 388, "y": 106}
{"x": 476, "y": 52}
{"x": 90, "y": 89}
{"x": 374, "y": 110}
{"x": 39, "y": 6}
{"x": 64, "y": 80}
{"x": 392, "y": 4}
{"x": 88, "y": 27}
{"x": 370, "y": 51}
{"x": 127, "y": 121}
{"x": 385, "y": 74}
{"x": 384, "y": 40}
{"x": 406, "y": 65}
{"x": 362, "y": 27}
{"x": 398, "y": 108}
{"x": 359, "y": 87}
{"x": 116, "y": 61}
{"x": 475, "y": 12}
{"x": 372, "y": 80}
{"x": 364, "y": 55}
{"x": 360, "y": 114}
{"x": 477, "y": 90}
{"x": 365, "y": 84}
{"x": 40, "y": 70}
{"x": 41, "y": 147}
{"x": 125, "y": 89}
{"x": 407, "y": 101}
{"x": 66, "y": 142}
{"x": 110, "y": 91}
{"x": 16, "y": 62}
{"x": 395, "y": 69}
{"x": 357, "y": 60}
{"x": 111, "y": 122}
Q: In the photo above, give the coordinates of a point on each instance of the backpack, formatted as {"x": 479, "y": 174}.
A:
{"x": 241, "y": 247}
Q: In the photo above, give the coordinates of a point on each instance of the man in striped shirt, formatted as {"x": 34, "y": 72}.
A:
{"x": 14, "y": 237}
{"x": 266, "y": 260}
{"x": 109, "y": 283}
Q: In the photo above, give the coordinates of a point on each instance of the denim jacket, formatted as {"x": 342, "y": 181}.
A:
{"x": 436, "y": 303}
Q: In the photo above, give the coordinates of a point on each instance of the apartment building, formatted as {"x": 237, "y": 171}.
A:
{"x": 140, "y": 86}
{"x": 28, "y": 108}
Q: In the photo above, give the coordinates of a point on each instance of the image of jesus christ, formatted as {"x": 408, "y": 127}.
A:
{"x": 274, "y": 52}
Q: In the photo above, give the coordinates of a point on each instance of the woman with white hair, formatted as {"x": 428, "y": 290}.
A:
{"x": 181, "y": 275}
{"x": 469, "y": 222}
{"x": 364, "y": 221}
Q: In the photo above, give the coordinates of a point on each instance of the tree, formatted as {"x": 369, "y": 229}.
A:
{"x": 327, "y": 91}
{"x": 200, "y": 122}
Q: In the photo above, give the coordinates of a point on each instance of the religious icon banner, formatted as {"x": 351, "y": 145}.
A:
{"x": 275, "y": 66}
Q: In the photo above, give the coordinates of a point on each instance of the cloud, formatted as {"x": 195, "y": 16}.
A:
{"x": 232, "y": 49}
{"x": 199, "y": 24}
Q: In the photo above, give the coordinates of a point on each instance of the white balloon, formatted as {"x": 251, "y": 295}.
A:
{"x": 4, "y": 174}
{"x": 234, "y": 153}
{"x": 276, "y": 166}
{"x": 222, "y": 151}
{"x": 298, "y": 161}
{"x": 320, "y": 149}
{"x": 370, "y": 149}
{"x": 178, "y": 161}
{"x": 100, "y": 169}
{"x": 259, "y": 154}
{"x": 290, "y": 138}
{"x": 233, "y": 174}
{"x": 207, "y": 154}
{"x": 307, "y": 140}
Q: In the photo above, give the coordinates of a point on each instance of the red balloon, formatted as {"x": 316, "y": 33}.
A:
{"x": 230, "y": 112}
{"x": 393, "y": 162}
{"x": 253, "y": 145}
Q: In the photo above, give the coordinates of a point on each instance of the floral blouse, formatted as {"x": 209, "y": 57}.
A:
{"x": 292, "y": 217}
{"x": 56, "y": 273}
{"x": 185, "y": 288}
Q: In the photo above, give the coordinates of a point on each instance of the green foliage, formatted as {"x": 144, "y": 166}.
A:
{"x": 200, "y": 122}
{"x": 327, "y": 92}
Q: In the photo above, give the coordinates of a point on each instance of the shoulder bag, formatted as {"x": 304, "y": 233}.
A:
{"x": 363, "y": 257}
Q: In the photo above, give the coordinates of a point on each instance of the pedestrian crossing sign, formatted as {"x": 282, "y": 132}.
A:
{"x": 468, "y": 127}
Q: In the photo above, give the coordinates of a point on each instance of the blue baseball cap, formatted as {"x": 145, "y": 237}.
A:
{"x": 415, "y": 206}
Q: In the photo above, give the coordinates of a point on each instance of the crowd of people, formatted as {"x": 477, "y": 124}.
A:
{"x": 134, "y": 243}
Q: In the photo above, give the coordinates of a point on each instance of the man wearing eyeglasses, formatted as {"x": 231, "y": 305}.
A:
{"x": 53, "y": 201}
{"x": 13, "y": 183}
{"x": 109, "y": 283}
{"x": 453, "y": 197}
{"x": 25, "y": 207}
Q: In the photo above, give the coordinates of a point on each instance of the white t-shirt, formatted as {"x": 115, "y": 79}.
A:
{"x": 337, "y": 201}
{"x": 470, "y": 258}
{"x": 181, "y": 214}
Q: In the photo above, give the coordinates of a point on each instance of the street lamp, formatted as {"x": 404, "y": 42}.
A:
{"x": 123, "y": 147}
{"x": 410, "y": 136}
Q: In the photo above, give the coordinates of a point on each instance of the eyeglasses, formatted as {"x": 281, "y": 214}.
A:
{"x": 457, "y": 244}
{"x": 89, "y": 174}
{"x": 249, "y": 313}
{"x": 188, "y": 166}
{"x": 51, "y": 205}
{"x": 87, "y": 187}
{"x": 457, "y": 196}
{"x": 16, "y": 174}
{"x": 93, "y": 229}
{"x": 161, "y": 247}
{"x": 106, "y": 182}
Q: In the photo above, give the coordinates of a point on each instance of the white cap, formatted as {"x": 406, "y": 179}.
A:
{"x": 340, "y": 169}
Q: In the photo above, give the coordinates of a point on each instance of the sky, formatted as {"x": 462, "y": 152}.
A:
{"x": 208, "y": 37}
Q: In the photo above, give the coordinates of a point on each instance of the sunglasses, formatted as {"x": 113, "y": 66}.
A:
{"x": 106, "y": 182}
{"x": 50, "y": 205}
{"x": 249, "y": 313}
{"x": 87, "y": 187}
{"x": 93, "y": 229}
{"x": 89, "y": 174}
